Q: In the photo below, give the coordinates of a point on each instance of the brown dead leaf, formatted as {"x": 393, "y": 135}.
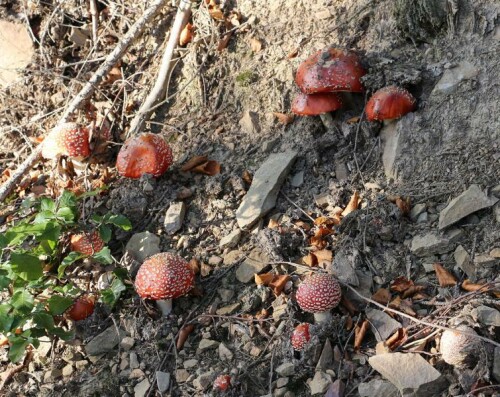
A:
{"x": 401, "y": 284}
{"x": 353, "y": 120}
{"x": 310, "y": 260}
{"x": 293, "y": 53}
{"x": 264, "y": 278}
{"x": 445, "y": 278}
{"x": 194, "y": 265}
{"x": 402, "y": 305}
{"x": 193, "y": 162}
{"x": 186, "y": 35}
{"x": 210, "y": 168}
{"x": 183, "y": 335}
{"x": 353, "y": 204}
{"x": 397, "y": 339}
{"x": 359, "y": 334}
{"x": 114, "y": 74}
{"x": 205, "y": 270}
{"x": 323, "y": 256}
{"x": 38, "y": 190}
{"x": 404, "y": 205}
{"x": 318, "y": 242}
{"x": 278, "y": 283}
{"x": 273, "y": 224}
{"x": 302, "y": 225}
{"x": 413, "y": 290}
{"x": 472, "y": 287}
{"x": 215, "y": 12}
{"x": 255, "y": 45}
{"x": 247, "y": 177}
{"x": 382, "y": 296}
{"x": 284, "y": 118}
{"x": 348, "y": 305}
{"x": 223, "y": 43}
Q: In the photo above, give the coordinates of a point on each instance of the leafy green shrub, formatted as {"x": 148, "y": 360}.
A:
{"x": 34, "y": 290}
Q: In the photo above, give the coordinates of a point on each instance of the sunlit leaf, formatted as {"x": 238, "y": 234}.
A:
{"x": 26, "y": 266}
{"x": 58, "y": 304}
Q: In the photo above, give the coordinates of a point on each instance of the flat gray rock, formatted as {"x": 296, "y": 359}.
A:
{"x": 249, "y": 122}
{"x": 453, "y": 77}
{"x": 162, "y": 381}
{"x": 382, "y": 324}
{"x": 142, "y": 245}
{"x": 343, "y": 267}
{"x": 320, "y": 383}
{"x": 486, "y": 315}
{"x": 430, "y": 244}
{"x": 286, "y": 369}
{"x": 326, "y": 358}
{"x": 254, "y": 263}
{"x": 174, "y": 217}
{"x": 470, "y": 201}
{"x": 464, "y": 262}
{"x": 141, "y": 388}
{"x": 266, "y": 183}
{"x": 105, "y": 342}
{"x": 410, "y": 373}
{"x": 378, "y": 388}
{"x": 231, "y": 239}
{"x": 496, "y": 364}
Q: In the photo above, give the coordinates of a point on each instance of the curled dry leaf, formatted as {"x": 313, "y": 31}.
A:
{"x": 404, "y": 205}
{"x": 472, "y": 287}
{"x": 397, "y": 339}
{"x": 353, "y": 120}
{"x": 263, "y": 279}
{"x": 278, "y": 283}
{"x": 403, "y": 305}
{"x": 324, "y": 257}
{"x": 382, "y": 296}
{"x": 194, "y": 265}
{"x": 359, "y": 333}
{"x": 194, "y": 162}
{"x": 302, "y": 225}
{"x": 186, "y": 35}
{"x": 401, "y": 284}
{"x": 445, "y": 278}
{"x": 210, "y": 168}
{"x": 414, "y": 289}
{"x": 256, "y": 45}
{"x": 310, "y": 260}
{"x": 284, "y": 118}
{"x": 247, "y": 177}
{"x": 183, "y": 335}
{"x": 353, "y": 204}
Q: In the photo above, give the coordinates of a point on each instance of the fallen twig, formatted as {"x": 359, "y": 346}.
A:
{"x": 87, "y": 91}
{"x": 7, "y": 375}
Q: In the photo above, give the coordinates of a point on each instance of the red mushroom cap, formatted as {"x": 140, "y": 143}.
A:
{"x": 69, "y": 139}
{"x": 318, "y": 293}
{"x": 389, "y": 103}
{"x": 144, "y": 154}
{"x": 82, "y": 308}
{"x": 315, "y": 104}
{"x": 300, "y": 336}
{"x": 87, "y": 243}
{"x": 328, "y": 70}
{"x": 164, "y": 276}
{"x": 222, "y": 383}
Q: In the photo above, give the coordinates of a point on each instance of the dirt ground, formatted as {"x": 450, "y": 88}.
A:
{"x": 222, "y": 104}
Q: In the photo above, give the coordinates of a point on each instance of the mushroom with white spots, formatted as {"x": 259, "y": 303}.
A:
{"x": 460, "y": 347}
{"x": 67, "y": 139}
{"x": 389, "y": 103}
{"x": 162, "y": 277}
{"x": 300, "y": 336}
{"x": 318, "y": 294}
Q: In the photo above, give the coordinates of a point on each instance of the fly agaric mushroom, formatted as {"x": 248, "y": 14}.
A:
{"x": 317, "y": 294}
{"x": 459, "y": 347}
{"x": 87, "y": 243}
{"x": 82, "y": 308}
{"x": 162, "y": 277}
{"x": 300, "y": 336}
{"x": 389, "y": 103}
{"x": 317, "y": 105}
{"x": 144, "y": 154}
{"x": 222, "y": 383}
{"x": 67, "y": 139}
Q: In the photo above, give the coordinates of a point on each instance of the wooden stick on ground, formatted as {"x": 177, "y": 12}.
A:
{"x": 87, "y": 91}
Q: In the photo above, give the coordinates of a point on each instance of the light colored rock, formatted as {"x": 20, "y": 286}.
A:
{"x": 410, "y": 373}
{"x": 451, "y": 78}
{"x": 162, "y": 381}
{"x": 297, "y": 179}
{"x": 378, "y": 388}
{"x": 343, "y": 267}
{"x": 266, "y": 183}
{"x": 181, "y": 375}
{"x": 249, "y": 122}
{"x": 207, "y": 344}
{"x": 390, "y": 135}
{"x": 470, "y": 201}
{"x": 326, "y": 358}
{"x": 203, "y": 381}
{"x": 286, "y": 369}
{"x": 486, "y": 315}
{"x": 43, "y": 349}
{"x": 68, "y": 370}
{"x": 496, "y": 364}
{"x": 16, "y": 48}
{"x": 464, "y": 262}
{"x": 141, "y": 388}
{"x": 232, "y": 257}
{"x": 254, "y": 263}
{"x": 281, "y": 382}
{"x": 341, "y": 171}
{"x": 382, "y": 324}
{"x": 231, "y": 240}
{"x": 127, "y": 343}
{"x": 191, "y": 363}
{"x": 52, "y": 375}
{"x": 81, "y": 365}
{"x": 227, "y": 310}
{"x": 495, "y": 253}
{"x": 136, "y": 373}
{"x": 142, "y": 245}
{"x": 320, "y": 383}
{"x": 174, "y": 217}
{"x": 134, "y": 361}
{"x": 417, "y": 210}
{"x": 484, "y": 261}
{"x": 224, "y": 353}
{"x": 105, "y": 342}
{"x": 430, "y": 244}
{"x": 215, "y": 260}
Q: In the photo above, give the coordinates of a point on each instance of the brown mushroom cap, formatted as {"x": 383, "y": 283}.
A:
{"x": 300, "y": 336}
{"x": 459, "y": 349}
{"x": 389, "y": 103}
{"x": 316, "y": 104}
{"x": 318, "y": 293}
{"x": 329, "y": 70}
{"x": 164, "y": 276}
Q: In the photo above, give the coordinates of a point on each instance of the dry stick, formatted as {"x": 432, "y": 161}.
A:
{"x": 158, "y": 90}
{"x": 87, "y": 91}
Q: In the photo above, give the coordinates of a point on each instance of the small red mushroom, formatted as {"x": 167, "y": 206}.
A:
{"x": 316, "y": 104}
{"x": 389, "y": 103}
{"x": 82, "y": 308}
{"x": 144, "y": 154}
{"x": 222, "y": 383}
{"x": 317, "y": 294}
{"x": 300, "y": 336}
{"x": 67, "y": 139}
{"x": 87, "y": 243}
{"x": 329, "y": 70}
{"x": 162, "y": 277}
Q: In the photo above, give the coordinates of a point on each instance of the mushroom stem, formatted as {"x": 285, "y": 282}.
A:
{"x": 165, "y": 306}
{"x": 328, "y": 122}
{"x": 322, "y": 317}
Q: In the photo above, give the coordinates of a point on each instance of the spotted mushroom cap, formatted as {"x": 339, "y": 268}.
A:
{"x": 222, "y": 383}
{"x": 389, "y": 103}
{"x": 68, "y": 139}
{"x": 164, "y": 276}
{"x": 87, "y": 243}
{"x": 144, "y": 154}
{"x": 318, "y": 293}
{"x": 329, "y": 70}
{"x": 300, "y": 336}
{"x": 316, "y": 104}
{"x": 458, "y": 349}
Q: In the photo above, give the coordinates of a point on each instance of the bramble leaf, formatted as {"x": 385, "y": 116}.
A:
{"x": 103, "y": 256}
{"x": 58, "y": 304}
{"x": 68, "y": 260}
{"x": 26, "y": 266}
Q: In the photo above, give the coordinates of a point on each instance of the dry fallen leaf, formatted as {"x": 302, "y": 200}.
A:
{"x": 293, "y": 53}
{"x": 382, "y": 296}
{"x": 255, "y": 45}
{"x": 403, "y": 305}
{"x": 264, "y": 278}
{"x": 310, "y": 260}
{"x": 445, "y": 278}
{"x": 359, "y": 334}
{"x": 193, "y": 162}
{"x": 205, "y": 270}
{"x": 114, "y": 74}
{"x": 210, "y": 168}
{"x": 401, "y": 284}
{"x": 183, "y": 335}
{"x": 472, "y": 287}
{"x": 273, "y": 223}
{"x": 397, "y": 339}
{"x": 323, "y": 256}
{"x": 302, "y": 225}
{"x": 413, "y": 290}
{"x": 186, "y": 35}
{"x": 353, "y": 204}
{"x": 223, "y": 43}
{"x": 284, "y": 118}
{"x": 194, "y": 265}
{"x": 404, "y": 205}
{"x": 247, "y": 177}
{"x": 353, "y": 120}
{"x": 278, "y": 283}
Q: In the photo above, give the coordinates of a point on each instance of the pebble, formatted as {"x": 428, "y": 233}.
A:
{"x": 141, "y": 388}
{"x": 382, "y": 325}
{"x": 174, "y": 217}
{"x": 67, "y": 370}
{"x": 52, "y": 375}
{"x": 231, "y": 240}
{"x": 134, "y": 361}
{"x": 162, "y": 381}
{"x": 254, "y": 263}
{"x": 286, "y": 369}
{"x": 181, "y": 375}
{"x": 224, "y": 353}
{"x": 203, "y": 381}
{"x": 320, "y": 383}
{"x": 127, "y": 343}
{"x": 136, "y": 374}
{"x": 207, "y": 344}
{"x": 191, "y": 363}
{"x": 225, "y": 294}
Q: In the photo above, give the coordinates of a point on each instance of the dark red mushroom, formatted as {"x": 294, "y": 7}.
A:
{"x": 318, "y": 294}
{"x": 389, "y": 103}
{"x": 222, "y": 383}
{"x": 82, "y": 308}
{"x": 300, "y": 336}
{"x": 316, "y": 104}
{"x": 329, "y": 70}
{"x": 144, "y": 154}
{"x": 67, "y": 139}
{"x": 162, "y": 277}
{"x": 87, "y": 243}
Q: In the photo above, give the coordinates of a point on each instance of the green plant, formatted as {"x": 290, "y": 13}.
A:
{"x": 245, "y": 78}
{"x": 34, "y": 289}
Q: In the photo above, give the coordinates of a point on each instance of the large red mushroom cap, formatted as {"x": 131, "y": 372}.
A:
{"x": 328, "y": 70}
{"x": 300, "y": 336}
{"x": 87, "y": 243}
{"x": 318, "y": 293}
{"x": 316, "y": 104}
{"x": 389, "y": 103}
{"x": 67, "y": 139}
{"x": 164, "y": 276}
{"x": 144, "y": 154}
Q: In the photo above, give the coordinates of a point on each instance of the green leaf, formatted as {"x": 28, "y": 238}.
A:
{"x": 43, "y": 320}
{"x": 105, "y": 233}
{"x": 17, "y": 234}
{"x": 66, "y": 213}
{"x": 51, "y": 232}
{"x": 4, "y": 279}
{"x": 63, "y": 334}
{"x": 104, "y": 256}
{"x": 6, "y": 319}
{"x": 58, "y": 304}
{"x": 47, "y": 204}
{"x": 17, "y": 348}
{"x": 111, "y": 295}
{"x": 68, "y": 260}
{"x": 43, "y": 216}
{"x": 120, "y": 221}
{"x": 22, "y": 300}
{"x": 3, "y": 241}
{"x": 26, "y": 266}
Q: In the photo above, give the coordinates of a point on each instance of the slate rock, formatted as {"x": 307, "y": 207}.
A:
{"x": 378, "y": 388}
{"x": 417, "y": 210}
{"x": 142, "y": 245}
{"x": 141, "y": 388}
{"x": 174, "y": 217}
{"x": 231, "y": 239}
{"x": 162, "y": 381}
{"x": 464, "y": 262}
{"x": 320, "y": 383}
{"x": 203, "y": 381}
{"x": 343, "y": 267}
{"x": 254, "y": 263}
{"x": 266, "y": 183}
{"x": 207, "y": 344}
{"x": 326, "y": 358}
{"x": 105, "y": 342}
{"x": 470, "y": 201}
{"x": 249, "y": 122}
{"x": 382, "y": 324}
{"x": 486, "y": 315}
{"x": 430, "y": 244}
{"x": 286, "y": 369}
{"x": 410, "y": 373}
{"x": 224, "y": 353}
{"x": 389, "y": 136}
{"x": 451, "y": 78}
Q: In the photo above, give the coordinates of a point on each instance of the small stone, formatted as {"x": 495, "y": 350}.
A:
{"x": 141, "y": 388}
{"x": 254, "y": 263}
{"x": 174, "y": 217}
{"x": 324, "y": 14}
{"x": 326, "y": 358}
{"x": 430, "y": 244}
{"x": 496, "y": 364}
{"x": 322, "y": 200}
{"x": 225, "y": 294}
{"x": 81, "y": 365}
{"x": 43, "y": 349}
{"x": 378, "y": 388}
{"x": 382, "y": 324}
{"x": 224, "y": 353}
{"x": 464, "y": 262}
{"x": 214, "y": 260}
{"x": 105, "y": 342}
{"x": 249, "y": 122}
{"x": 417, "y": 210}
{"x": 143, "y": 245}
{"x": 181, "y": 375}
{"x": 484, "y": 261}
{"x": 279, "y": 392}
{"x": 191, "y": 363}
{"x": 281, "y": 382}
{"x": 495, "y": 253}
{"x": 343, "y": 267}
{"x": 127, "y": 343}
{"x": 297, "y": 179}
{"x": 232, "y": 257}
{"x": 136, "y": 373}
{"x": 286, "y": 369}
{"x": 207, "y": 344}
{"x": 52, "y": 375}
{"x": 67, "y": 370}
{"x": 255, "y": 351}
{"x": 134, "y": 361}
{"x": 451, "y": 78}
{"x": 230, "y": 309}
{"x": 203, "y": 381}
{"x": 423, "y": 217}
{"x": 124, "y": 364}
{"x": 486, "y": 315}
{"x": 320, "y": 383}
{"x": 231, "y": 240}
{"x": 341, "y": 171}
{"x": 162, "y": 381}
